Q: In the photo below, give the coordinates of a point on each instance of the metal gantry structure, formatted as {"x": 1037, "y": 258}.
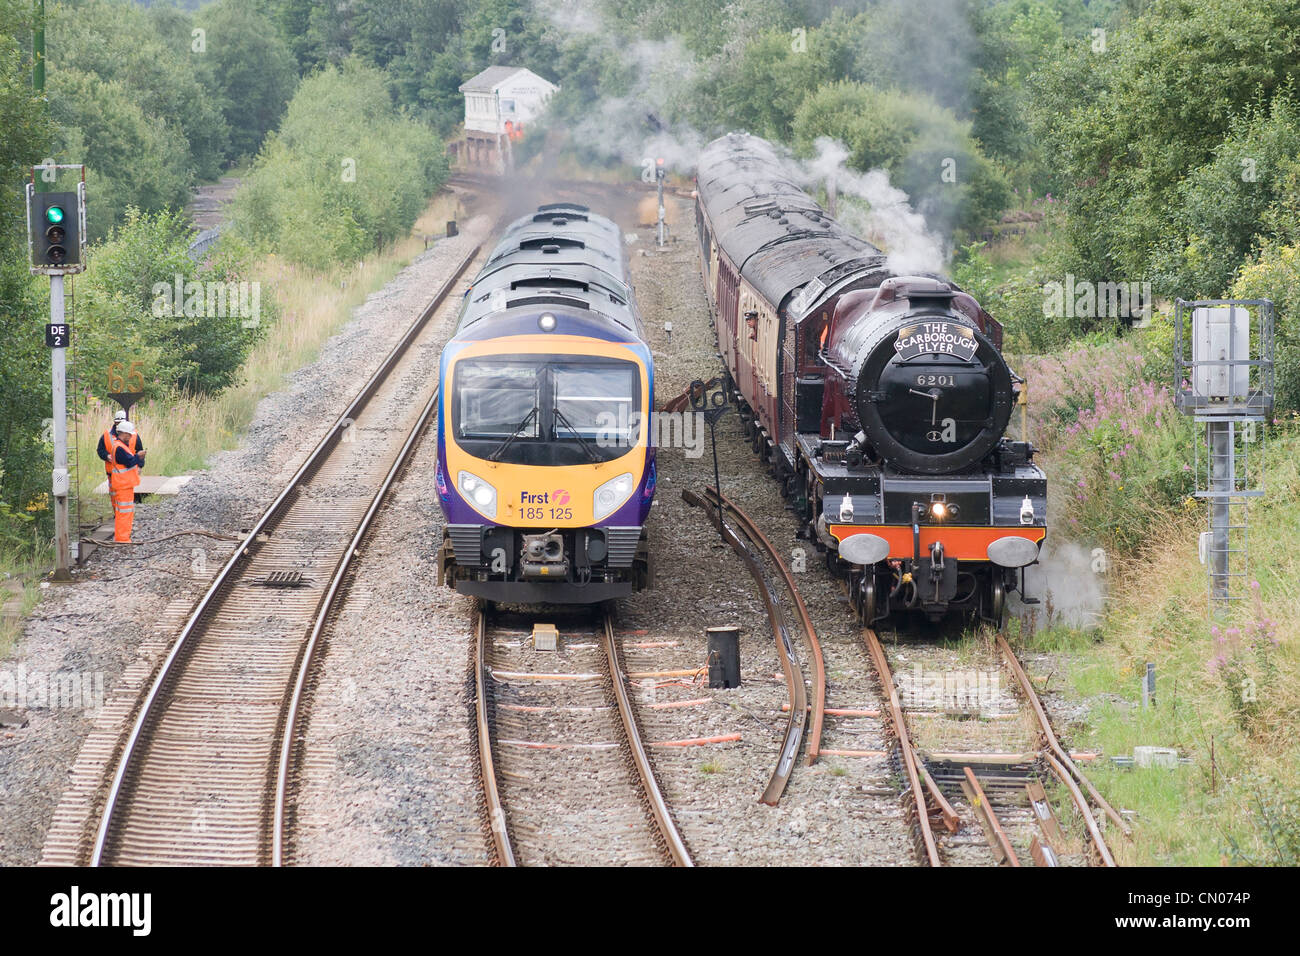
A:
{"x": 1223, "y": 378}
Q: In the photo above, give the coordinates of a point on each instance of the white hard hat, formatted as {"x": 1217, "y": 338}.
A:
{"x": 125, "y": 426}
{"x": 119, "y": 416}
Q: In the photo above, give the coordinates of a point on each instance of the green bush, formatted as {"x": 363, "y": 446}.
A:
{"x": 1126, "y": 127}
{"x": 345, "y": 174}
{"x": 124, "y": 315}
{"x": 249, "y": 69}
{"x": 132, "y": 158}
{"x": 1275, "y": 274}
{"x": 148, "y": 52}
{"x": 1017, "y": 301}
{"x": 916, "y": 141}
{"x": 1231, "y": 202}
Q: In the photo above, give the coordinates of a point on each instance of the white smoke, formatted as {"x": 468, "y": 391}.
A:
{"x": 1070, "y": 581}
{"x": 888, "y": 221}
{"x": 663, "y": 72}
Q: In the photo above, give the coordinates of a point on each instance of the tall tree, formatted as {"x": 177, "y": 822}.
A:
{"x": 24, "y": 376}
{"x": 250, "y": 70}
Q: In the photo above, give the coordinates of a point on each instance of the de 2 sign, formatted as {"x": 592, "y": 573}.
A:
{"x": 57, "y": 336}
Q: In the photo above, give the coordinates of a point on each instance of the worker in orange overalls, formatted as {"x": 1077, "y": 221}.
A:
{"x": 101, "y": 449}
{"x": 123, "y": 467}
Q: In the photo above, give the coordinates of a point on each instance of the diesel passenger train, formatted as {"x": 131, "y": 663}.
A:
{"x": 545, "y": 471}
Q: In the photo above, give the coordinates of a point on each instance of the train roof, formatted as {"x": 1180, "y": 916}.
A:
{"x": 775, "y": 233}
{"x": 562, "y": 255}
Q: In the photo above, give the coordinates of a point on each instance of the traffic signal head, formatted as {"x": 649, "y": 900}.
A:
{"x": 54, "y": 223}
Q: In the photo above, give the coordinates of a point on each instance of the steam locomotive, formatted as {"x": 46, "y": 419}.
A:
{"x": 880, "y": 401}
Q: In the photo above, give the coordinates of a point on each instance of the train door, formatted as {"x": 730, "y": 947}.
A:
{"x": 786, "y": 384}
{"x": 727, "y": 318}
{"x": 769, "y": 359}
{"x": 718, "y": 292}
{"x": 747, "y": 331}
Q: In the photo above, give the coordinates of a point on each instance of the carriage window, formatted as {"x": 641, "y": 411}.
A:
{"x": 495, "y": 398}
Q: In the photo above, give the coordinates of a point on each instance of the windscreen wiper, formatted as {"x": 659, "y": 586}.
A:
{"x": 510, "y": 439}
{"x": 591, "y": 452}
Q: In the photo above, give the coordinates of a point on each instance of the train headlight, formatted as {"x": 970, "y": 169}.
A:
{"x": 478, "y": 492}
{"x": 547, "y": 322}
{"x": 939, "y": 510}
{"x": 1026, "y": 511}
{"x": 846, "y": 510}
{"x": 610, "y": 495}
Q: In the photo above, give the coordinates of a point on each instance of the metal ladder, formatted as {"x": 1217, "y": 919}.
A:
{"x": 76, "y": 408}
{"x": 1229, "y": 472}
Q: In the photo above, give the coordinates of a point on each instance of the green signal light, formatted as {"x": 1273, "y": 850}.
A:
{"x": 54, "y": 214}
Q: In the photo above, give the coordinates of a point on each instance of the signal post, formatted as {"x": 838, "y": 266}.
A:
{"x": 56, "y": 239}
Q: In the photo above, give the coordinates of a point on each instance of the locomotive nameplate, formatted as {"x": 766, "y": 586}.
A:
{"x": 936, "y": 338}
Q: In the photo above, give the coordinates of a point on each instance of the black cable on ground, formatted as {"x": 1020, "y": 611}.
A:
{"x": 168, "y": 537}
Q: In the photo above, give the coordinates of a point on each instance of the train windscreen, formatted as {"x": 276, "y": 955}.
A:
{"x": 562, "y": 411}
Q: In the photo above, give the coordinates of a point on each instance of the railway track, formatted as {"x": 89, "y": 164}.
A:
{"x": 1004, "y": 792}
{"x": 205, "y": 773}
{"x": 566, "y": 778}
{"x": 789, "y": 618}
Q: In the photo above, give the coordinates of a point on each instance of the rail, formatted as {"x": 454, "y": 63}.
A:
{"x": 219, "y": 589}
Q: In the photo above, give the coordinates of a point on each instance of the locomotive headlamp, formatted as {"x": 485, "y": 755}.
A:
{"x": 939, "y": 510}
{"x": 479, "y": 493}
{"x": 610, "y": 495}
{"x": 1026, "y": 511}
{"x": 846, "y": 510}
{"x": 547, "y": 322}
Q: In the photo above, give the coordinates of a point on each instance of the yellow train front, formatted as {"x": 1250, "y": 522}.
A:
{"x": 545, "y": 469}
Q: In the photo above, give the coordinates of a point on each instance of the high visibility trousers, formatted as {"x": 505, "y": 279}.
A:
{"x": 123, "y": 514}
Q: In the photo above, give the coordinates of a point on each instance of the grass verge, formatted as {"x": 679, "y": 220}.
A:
{"x": 1227, "y": 688}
